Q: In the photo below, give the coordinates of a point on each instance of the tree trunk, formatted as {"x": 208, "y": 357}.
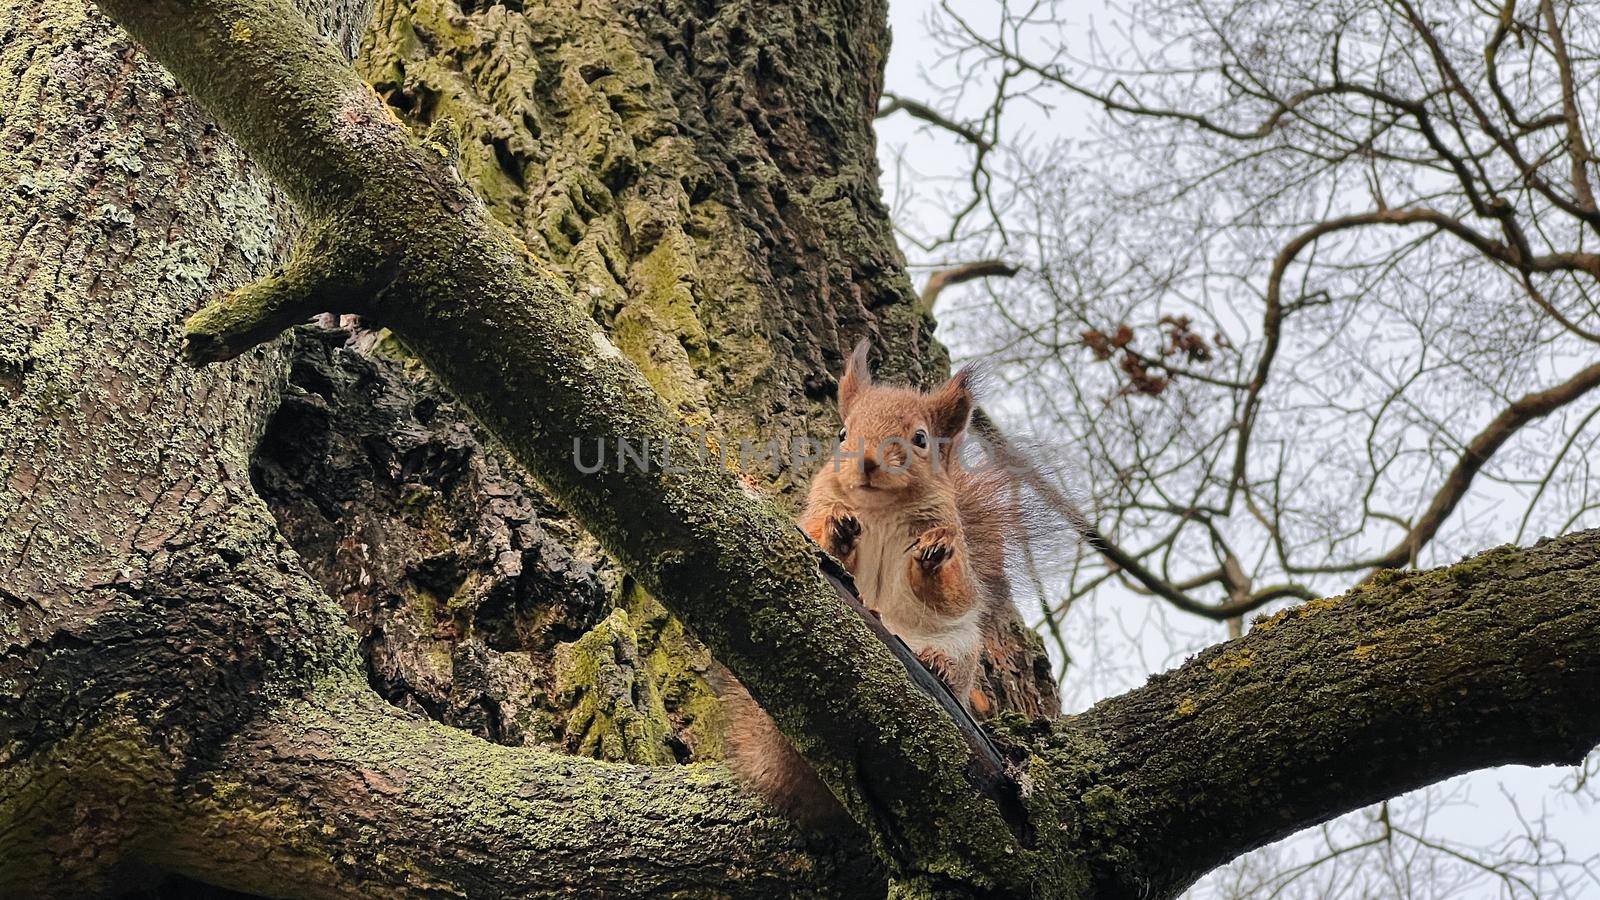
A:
{"x": 717, "y": 204}
{"x": 136, "y": 559}
{"x": 699, "y": 278}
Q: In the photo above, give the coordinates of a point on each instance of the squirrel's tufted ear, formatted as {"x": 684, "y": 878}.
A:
{"x": 856, "y": 379}
{"x": 950, "y": 406}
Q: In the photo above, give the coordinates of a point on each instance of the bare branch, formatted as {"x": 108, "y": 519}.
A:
{"x": 923, "y": 112}
{"x": 1482, "y": 447}
{"x": 943, "y": 278}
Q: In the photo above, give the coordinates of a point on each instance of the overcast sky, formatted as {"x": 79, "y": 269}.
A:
{"x": 1119, "y": 639}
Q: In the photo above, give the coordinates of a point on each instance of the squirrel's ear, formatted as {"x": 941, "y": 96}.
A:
{"x": 950, "y": 406}
{"x": 856, "y": 379}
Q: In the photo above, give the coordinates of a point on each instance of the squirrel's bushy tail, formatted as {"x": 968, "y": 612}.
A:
{"x": 1021, "y": 495}
{"x": 765, "y": 760}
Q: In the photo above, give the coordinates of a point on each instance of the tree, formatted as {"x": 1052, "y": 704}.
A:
{"x": 1311, "y": 296}
{"x": 1318, "y": 238}
{"x": 182, "y": 696}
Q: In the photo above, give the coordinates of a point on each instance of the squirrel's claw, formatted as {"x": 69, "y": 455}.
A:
{"x": 845, "y": 529}
{"x": 932, "y": 549}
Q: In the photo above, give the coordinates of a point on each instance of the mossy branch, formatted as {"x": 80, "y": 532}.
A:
{"x": 1332, "y": 705}
{"x": 326, "y": 271}
{"x": 293, "y": 803}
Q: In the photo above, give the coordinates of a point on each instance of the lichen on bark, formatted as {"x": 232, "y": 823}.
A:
{"x": 136, "y": 565}
{"x": 595, "y": 135}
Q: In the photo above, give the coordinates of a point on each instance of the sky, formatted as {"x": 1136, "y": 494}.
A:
{"x": 1119, "y": 639}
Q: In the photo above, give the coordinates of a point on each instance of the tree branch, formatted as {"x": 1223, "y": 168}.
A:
{"x": 943, "y": 278}
{"x": 291, "y": 807}
{"x": 1482, "y": 447}
{"x": 1338, "y": 703}
{"x": 922, "y": 111}
{"x": 1523, "y": 410}
{"x": 1274, "y": 314}
{"x": 1577, "y": 147}
{"x": 321, "y": 275}
{"x": 1008, "y": 456}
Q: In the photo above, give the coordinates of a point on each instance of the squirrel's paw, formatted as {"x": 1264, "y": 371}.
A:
{"x": 934, "y": 661}
{"x": 843, "y": 531}
{"x": 933, "y": 548}
{"x": 937, "y": 662}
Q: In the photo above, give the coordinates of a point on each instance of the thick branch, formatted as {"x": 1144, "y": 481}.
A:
{"x": 294, "y": 801}
{"x": 1338, "y": 703}
{"x": 322, "y": 274}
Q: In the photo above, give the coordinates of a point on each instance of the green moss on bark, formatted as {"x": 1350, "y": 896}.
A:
{"x": 615, "y": 712}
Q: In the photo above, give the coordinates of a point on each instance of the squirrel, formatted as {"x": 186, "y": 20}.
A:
{"x": 925, "y": 540}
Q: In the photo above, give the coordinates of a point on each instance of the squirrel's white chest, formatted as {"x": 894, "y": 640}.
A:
{"x": 882, "y": 575}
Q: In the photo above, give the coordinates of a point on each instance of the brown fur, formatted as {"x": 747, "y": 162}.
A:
{"x": 765, "y": 760}
{"x": 925, "y": 541}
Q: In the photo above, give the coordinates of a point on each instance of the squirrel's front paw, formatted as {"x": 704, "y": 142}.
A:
{"x": 843, "y": 530}
{"x": 935, "y": 661}
{"x": 933, "y": 547}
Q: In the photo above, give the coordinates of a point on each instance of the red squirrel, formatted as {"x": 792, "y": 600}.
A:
{"x": 925, "y": 540}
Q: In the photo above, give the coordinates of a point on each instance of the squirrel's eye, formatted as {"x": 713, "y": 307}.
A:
{"x": 920, "y": 438}
{"x": 841, "y": 435}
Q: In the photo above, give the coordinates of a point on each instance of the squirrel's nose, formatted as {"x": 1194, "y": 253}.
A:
{"x": 868, "y": 464}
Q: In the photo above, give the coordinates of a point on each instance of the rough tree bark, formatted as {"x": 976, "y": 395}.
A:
{"x": 465, "y": 605}
{"x": 224, "y": 729}
{"x": 137, "y": 562}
